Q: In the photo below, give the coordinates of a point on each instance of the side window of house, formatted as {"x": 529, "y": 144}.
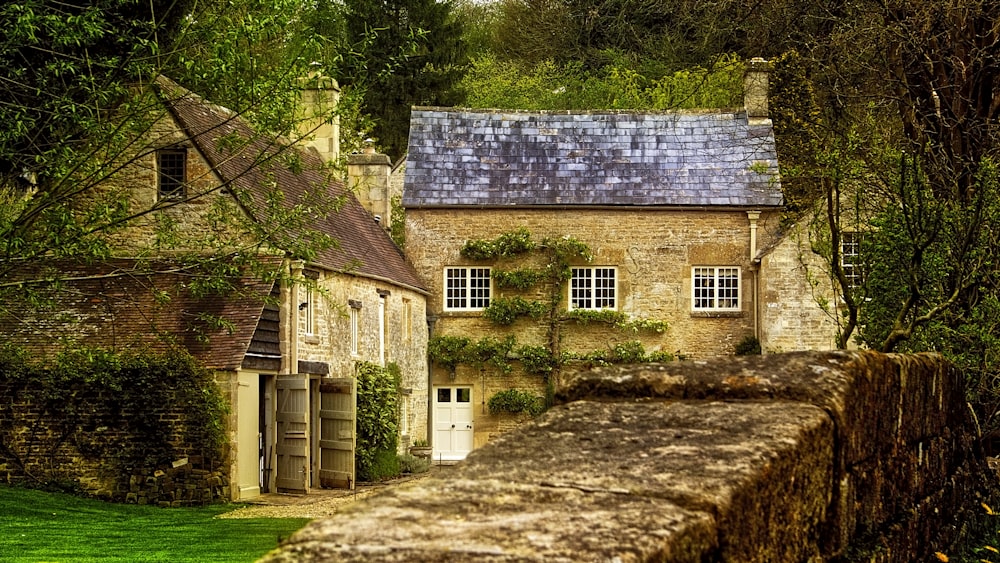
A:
{"x": 715, "y": 288}
{"x": 466, "y": 289}
{"x": 355, "y": 313}
{"x": 171, "y": 169}
{"x": 850, "y": 257}
{"x": 593, "y": 288}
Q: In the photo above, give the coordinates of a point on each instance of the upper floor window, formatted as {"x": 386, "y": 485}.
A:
{"x": 850, "y": 257}
{"x": 171, "y": 168}
{"x": 715, "y": 288}
{"x": 593, "y": 288}
{"x": 466, "y": 289}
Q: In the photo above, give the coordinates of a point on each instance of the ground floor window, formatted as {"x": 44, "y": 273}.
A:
{"x": 715, "y": 288}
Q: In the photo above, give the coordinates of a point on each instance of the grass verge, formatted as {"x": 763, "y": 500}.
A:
{"x": 52, "y": 527}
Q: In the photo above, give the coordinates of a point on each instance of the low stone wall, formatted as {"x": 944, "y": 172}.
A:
{"x": 799, "y": 457}
{"x": 86, "y": 442}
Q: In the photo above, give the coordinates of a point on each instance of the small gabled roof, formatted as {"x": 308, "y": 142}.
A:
{"x": 258, "y": 162}
{"x": 121, "y": 305}
{"x": 477, "y": 158}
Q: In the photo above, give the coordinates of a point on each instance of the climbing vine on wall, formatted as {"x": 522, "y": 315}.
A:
{"x": 134, "y": 411}
{"x": 552, "y": 262}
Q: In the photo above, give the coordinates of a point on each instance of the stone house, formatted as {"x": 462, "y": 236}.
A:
{"x": 676, "y": 208}
{"x": 296, "y": 331}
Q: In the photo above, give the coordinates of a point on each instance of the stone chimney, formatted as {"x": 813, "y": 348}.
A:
{"x": 317, "y": 126}
{"x": 368, "y": 177}
{"x": 755, "y": 79}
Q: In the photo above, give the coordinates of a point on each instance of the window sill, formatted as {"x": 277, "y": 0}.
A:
{"x": 311, "y": 339}
{"x": 717, "y": 314}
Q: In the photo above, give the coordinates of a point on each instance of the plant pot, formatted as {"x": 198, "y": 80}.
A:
{"x": 421, "y": 451}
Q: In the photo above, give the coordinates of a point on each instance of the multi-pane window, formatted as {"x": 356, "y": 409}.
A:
{"x": 310, "y": 310}
{"x": 466, "y": 289}
{"x": 592, "y": 288}
{"x": 355, "y": 313}
{"x": 850, "y": 257}
{"x": 715, "y": 288}
{"x": 171, "y": 167}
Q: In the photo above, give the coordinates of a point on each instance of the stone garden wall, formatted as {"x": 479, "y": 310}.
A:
{"x": 89, "y": 442}
{"x": 835, "y": 456}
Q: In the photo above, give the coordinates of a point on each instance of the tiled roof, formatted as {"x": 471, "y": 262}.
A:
{"x": 260, "y": 162}
{"x": 121, "y": 306}
{"x": 499, "y": 158}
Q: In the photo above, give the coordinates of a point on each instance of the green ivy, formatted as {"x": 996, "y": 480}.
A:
{"x": 493, "y": 351}
{"x": 505, "y": 246}
{"x": 155, "y": 403}
{"x": 515, "y": 401}
{"x": 521, "y": 279}
{"x": 504, "y": 311}
{"x": 617, "y": 319}
{"x": 448, "y": 351}
{"x": 630, "y": 352}
{"x": 377, "y": 423}
{"x": 536, "y": 359}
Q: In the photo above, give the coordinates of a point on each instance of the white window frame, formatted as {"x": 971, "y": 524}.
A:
{"x": 355, "y": 316}
{"x": 464, "y": 289}
{"x": 589, "y": 289}
{"x": 310, "y": 311}
{"x": 850, "y": 257}
{"x": 725, "y": 285}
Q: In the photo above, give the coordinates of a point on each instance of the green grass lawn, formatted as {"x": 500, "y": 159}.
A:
{"x": 37, "y": 527}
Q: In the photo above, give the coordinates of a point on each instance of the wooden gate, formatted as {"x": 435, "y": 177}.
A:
{"x": 292, "y": 421}
{"x": 338, "y": 405}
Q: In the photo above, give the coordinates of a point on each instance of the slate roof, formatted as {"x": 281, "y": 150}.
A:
{"x": 362, "y": 247}
{"x": 477, "y": 158}
{"x": 119, "y": 305}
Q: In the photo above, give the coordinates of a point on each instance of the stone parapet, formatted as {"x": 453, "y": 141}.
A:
{"x": 797, "y": 457}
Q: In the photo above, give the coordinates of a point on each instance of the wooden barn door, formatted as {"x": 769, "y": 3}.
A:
{"x": 338, "y": 405}
{"x": 292, "y": 421}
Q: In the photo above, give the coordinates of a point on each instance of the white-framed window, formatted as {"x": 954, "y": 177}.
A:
{"x": 715, "y": 288}
{"x": 850, "y": 257}
{"x": 355, "y": 317}
{"x": 310, "y": 310}
{"x": 407, "y": 319}
{"x": 171, "y": 172}
{"x": 593, "y": 288}
{"x": 466, "y": 289}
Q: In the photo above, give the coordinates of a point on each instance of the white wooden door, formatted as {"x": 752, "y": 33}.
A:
{"x": 337, "y": 439}
{"x": 452, "y": 423}
{"x": 292, "y": 421}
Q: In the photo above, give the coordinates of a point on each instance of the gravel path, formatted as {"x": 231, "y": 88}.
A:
{"x": 317, "y": 504}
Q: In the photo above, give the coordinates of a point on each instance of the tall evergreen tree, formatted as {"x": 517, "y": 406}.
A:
{"x": 430, "y": 37}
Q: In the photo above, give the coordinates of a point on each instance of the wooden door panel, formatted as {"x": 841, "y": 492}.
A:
{"x": 337, "y": 440}
{"x": 292, "y": 421}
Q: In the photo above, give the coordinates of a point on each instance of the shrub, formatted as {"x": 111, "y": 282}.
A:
{"x": 749, "y": 346}
{"x": 413, "y": 464}
{"x": 377, "y": 423}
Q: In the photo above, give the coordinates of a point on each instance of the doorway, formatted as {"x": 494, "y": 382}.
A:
{"x": 453, "y": 428}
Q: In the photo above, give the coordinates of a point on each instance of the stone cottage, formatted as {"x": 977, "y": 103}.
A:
{"x": 295, "y": 330}
{"x": 674, "y": 208}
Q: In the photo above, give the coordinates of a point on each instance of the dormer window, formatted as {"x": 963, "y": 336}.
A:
{"x": 171, "y": 168}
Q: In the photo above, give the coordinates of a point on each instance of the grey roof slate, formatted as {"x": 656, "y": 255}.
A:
{"x": 488, "y": 158}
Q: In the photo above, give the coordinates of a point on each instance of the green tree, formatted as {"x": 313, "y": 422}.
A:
{"x": 80, "y": 101}
{"x": 410, "y": 52}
